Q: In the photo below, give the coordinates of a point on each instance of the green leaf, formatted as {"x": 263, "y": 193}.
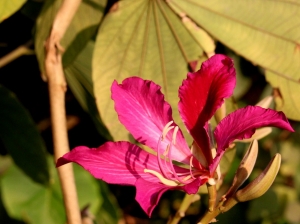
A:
{"x": 35, "y": 204}
{"x": 109, "y": 213}
{"x": 80, "y": 31}
{"x": 79, "y": 78}
{"x": 142, "y": 38}
{"x": 8, "y": 7}
{"x": 21, "y": 138}
{"x": 286, "y": 95}
{"x": 269, "y": 37}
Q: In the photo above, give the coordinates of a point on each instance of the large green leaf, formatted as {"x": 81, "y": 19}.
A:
{"x": 142, "y": 38}
{"x": 79, "y": 78}
{"x": 33, "y": 203}
{"x": 8, "y": 7}
{"x": 265, "y": 32}
{"x": 21, "y": 138}
{"x": 80, "y": 31}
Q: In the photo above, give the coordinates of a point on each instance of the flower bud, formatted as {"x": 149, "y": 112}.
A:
{"x": 265, "y": 102}
{"x": 245, "y": 168}
{"x": 261, "y": 183}
{"x": 258, "y": 134}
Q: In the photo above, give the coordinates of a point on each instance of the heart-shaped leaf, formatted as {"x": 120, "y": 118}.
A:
{"x": 142, "y": 38}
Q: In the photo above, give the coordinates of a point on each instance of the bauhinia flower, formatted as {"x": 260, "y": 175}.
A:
{"x": 147, "y": 116}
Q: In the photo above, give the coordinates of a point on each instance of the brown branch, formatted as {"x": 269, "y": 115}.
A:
{"x": 57, "y": 88}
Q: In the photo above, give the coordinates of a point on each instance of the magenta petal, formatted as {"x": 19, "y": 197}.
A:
{"x": 144, "y": 112}
{"x": 242, "y": 124}
{"x": 115, "y": 163}
{"x": 202, "y": 93}
{"x": 193, "y": 187}
{"x": 148, "y": 194}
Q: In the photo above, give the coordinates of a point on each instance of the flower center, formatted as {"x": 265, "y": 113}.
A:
{"x": 168, "y": 175}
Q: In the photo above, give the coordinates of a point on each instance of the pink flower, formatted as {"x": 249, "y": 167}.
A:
{"x": 148, "y": 117}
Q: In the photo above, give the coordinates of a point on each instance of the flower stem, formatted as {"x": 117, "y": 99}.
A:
{"x": 209, "y": 216}
{"x": 212, "y": 196}
{"x": 185, "y": 204}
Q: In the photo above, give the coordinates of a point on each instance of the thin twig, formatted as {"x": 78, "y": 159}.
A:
{"x": 16, "y": 53}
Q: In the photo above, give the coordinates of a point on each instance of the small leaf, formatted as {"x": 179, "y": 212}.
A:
{"x": 145, "y": 39}
{"x": 21, "y": 138}
{"x": 8, "y": 7}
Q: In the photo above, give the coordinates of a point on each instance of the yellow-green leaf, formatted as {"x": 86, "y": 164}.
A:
{"x": 142, "y": 38}
{"x": 265, "y": 32}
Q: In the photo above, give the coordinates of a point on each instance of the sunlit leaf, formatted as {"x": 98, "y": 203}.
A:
{"x": 142, "y": 38}
{"x": 286, "y": 95}
{"x": 8, "y": 7}
{"x": 21, "y": 138}
{"x": 81, "y": 29}
{"x": 264, "y": 32}
{"x": 79, "y": 78}
{"x": 36, "y": 204}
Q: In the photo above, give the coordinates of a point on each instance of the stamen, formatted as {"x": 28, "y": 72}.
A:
{"x": 160, "y": 165}
{"x": 187, "y": 177}
{"x": 161, "y": 178}
{"x": 174, "y": 135}
{"x": 171, "y": 164}
{"x": 191, "y": 165}
{"x": 166, "y": 129}
{"x": 165, "y": 160}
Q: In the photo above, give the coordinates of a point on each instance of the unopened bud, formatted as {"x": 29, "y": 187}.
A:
{"x": 245, "y": 168}
{"x": 258, "y": 134}
{"x": 262, "y": 183}
{"x": 265, "y": 102}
